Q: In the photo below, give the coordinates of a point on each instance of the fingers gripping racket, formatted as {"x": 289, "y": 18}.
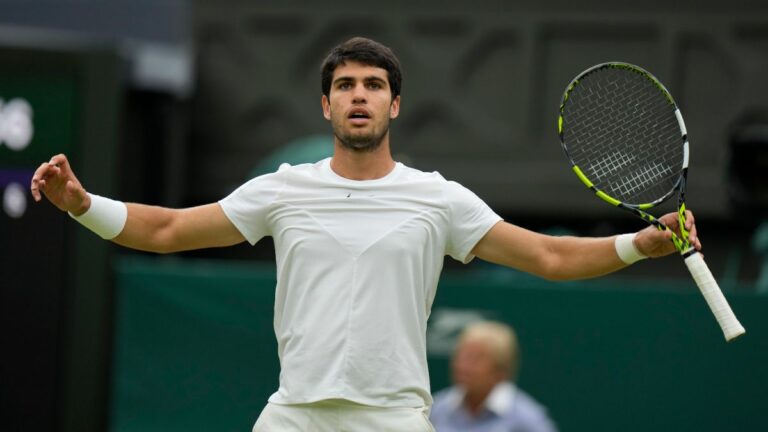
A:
{"x": 626, "y": 141}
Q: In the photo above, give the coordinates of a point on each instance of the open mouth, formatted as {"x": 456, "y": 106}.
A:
{"x": 359, "y": 115}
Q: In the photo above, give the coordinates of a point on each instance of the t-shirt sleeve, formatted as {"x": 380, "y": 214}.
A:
{"x": 470, "y": 219}
{"x": 248, "y": 206}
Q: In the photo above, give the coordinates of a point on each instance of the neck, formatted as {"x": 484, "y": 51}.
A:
{"x": 474, "y": 401}
{"x": 356, "y": 165}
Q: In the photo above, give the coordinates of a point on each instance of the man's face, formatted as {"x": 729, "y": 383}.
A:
{"x": 474, "y": 367}
{"x": 360, "y": 106}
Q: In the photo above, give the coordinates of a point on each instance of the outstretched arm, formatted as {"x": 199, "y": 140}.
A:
{"x": 567, "y": 258}
{"x": 148, "y": 228}
{"x": 164, "y": 230}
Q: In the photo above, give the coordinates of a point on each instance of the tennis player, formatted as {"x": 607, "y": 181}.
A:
{"x": 359, "y": 241}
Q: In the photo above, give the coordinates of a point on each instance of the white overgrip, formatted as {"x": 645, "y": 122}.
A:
{"x": 714, "y": 297}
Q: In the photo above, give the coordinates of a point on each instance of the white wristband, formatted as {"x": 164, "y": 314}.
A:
{"x": 105, "y": 217}
{"x": 625, "y": 248}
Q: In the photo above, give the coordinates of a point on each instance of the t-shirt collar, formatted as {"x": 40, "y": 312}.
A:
{"x": 331, "y": 174}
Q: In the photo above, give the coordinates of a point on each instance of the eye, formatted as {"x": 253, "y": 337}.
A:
{"x": 374, "y": 85}
{"x": 344, "y": 86}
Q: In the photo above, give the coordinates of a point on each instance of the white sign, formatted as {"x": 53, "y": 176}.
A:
{"x": 15, "y": 200}
{"x": 445, "y": 325}
{"x": 16, "y": 127}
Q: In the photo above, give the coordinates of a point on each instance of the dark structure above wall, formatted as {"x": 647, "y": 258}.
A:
{"x": 481, "y": 88}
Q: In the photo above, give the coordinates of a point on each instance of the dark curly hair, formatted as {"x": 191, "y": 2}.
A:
{"x": 367, "y": 52}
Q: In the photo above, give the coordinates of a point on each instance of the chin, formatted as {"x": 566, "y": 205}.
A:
{"x": 361, "y": 143}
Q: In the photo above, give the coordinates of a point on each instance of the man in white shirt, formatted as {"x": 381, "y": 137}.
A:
{"x": 484, "y": 397}
{"x": 359, "y": 243}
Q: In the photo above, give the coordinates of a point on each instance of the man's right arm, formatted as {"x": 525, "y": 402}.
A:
{"x": 164, "y": 230}
{"x": 147, "y": 228}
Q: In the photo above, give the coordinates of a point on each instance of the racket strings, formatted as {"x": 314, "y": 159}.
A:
{"x": 620, "y": 128}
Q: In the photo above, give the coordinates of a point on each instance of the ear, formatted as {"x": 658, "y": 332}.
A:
{"x": 326, "y": 107}
{"x": 394, "y": 108}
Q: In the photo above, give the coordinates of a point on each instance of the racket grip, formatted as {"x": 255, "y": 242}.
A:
{"x": 714, "y": 297}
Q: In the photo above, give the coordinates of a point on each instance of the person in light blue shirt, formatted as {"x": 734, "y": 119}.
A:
{"x": 484, "y": 397}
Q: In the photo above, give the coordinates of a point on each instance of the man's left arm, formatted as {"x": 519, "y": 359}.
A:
{"x": 567, "y": 257}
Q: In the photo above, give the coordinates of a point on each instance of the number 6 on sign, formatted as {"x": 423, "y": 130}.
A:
{"x": 626, "y": 141}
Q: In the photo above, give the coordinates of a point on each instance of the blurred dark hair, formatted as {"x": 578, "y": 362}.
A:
{"x": 367, "y": 52}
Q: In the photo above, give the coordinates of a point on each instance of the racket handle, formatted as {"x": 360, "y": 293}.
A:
{"x": 714, "y": 296}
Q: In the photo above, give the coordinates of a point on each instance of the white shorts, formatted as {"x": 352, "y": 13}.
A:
{"x": 341, "y": 416}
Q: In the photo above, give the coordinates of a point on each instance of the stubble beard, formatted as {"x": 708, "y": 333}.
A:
{"x": 362, "y": 143}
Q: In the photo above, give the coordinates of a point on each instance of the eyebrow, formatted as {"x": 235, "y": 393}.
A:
{"x": 370, "y": 78}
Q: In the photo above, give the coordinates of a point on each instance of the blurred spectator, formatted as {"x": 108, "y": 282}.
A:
{"x": 484, "y": 397}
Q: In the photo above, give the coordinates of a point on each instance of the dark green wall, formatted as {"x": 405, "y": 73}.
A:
{"x": 194, "y": 348}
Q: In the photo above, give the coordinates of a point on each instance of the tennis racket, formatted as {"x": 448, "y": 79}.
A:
{"x": 626, "y": 140}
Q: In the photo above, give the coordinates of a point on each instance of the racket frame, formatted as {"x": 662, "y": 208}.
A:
{"x": 714, "y": 297}
{"x": 682, "y": 244}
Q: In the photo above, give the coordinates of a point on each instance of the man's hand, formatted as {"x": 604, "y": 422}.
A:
{"x": 654, "y": 243}
{"x": 58, "y": 183}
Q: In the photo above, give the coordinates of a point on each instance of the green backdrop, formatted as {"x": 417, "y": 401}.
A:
{"x": 194, "y": 348}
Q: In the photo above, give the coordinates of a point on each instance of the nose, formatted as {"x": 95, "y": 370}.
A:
{"x": 359, "y": 94}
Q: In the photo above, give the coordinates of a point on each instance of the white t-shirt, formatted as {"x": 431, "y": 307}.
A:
{"x": 357, "y": 269}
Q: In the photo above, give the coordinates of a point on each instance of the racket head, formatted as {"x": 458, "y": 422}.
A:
{"x": 624, "y": 135}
